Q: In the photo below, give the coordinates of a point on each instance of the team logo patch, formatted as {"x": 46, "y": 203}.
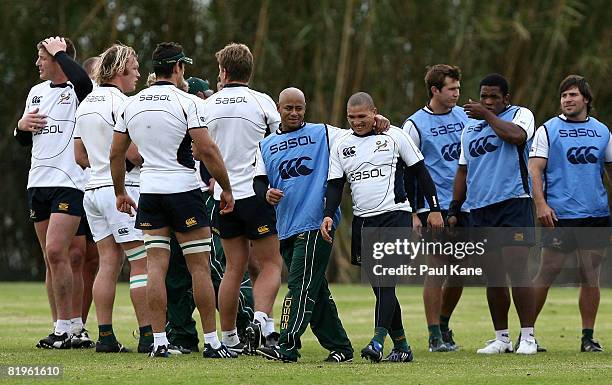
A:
{"x": 581, "y": 155}
{"x": 348, "y": 152}
{"x": 382, "y": 145}
{"x": 32, "y": 214}
{"x": 293, "y": 168}
{"x": 63, "y": 206}
{"x": 263, "y": 229}
{"x": 451, "y": 152}
{"x": 481, "y": 146}
{"x": 123, "y": 231}
{"x": 519, "y": 237}
{"x": 191, "y": 222}
{"x": 64, "y": 98}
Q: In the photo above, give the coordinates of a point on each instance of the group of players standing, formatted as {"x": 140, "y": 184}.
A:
{"x": 146, "y": 197}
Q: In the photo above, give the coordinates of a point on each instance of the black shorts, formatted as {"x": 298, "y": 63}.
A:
{"x": 44, "y": 201}
{"x": 516, "y": 213}
{"x": 569, "y": 235}
{"x": 463, "y": 221}
{"x": 390, "y": 219}
{"x": 84, "y": 229}
{"x": 251, "y": 217}
{"x": 182, "y": 212}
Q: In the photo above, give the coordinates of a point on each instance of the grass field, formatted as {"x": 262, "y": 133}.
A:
{"x": 24, "y": 318}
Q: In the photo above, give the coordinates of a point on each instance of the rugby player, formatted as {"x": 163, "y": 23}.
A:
{"x": 113, "y": 231}
{"x": 162, "y": 121}
{"x": 493, "y": 170}
{"x": 570, "y": 152}
{"x": 436, "y": 131}
{"x": 55, "y": 183}
{"x": 237, "y": 111}
{"x": 377, "y": 202}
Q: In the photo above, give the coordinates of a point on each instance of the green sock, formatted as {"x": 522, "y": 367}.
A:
{"x": 380, "y": 334}
{"x": 106, "y": 334}
{"x": 434, "y": 332}
{"x": 444, "y": 320}
{"x": 399, "y": 339}
{"x": 146, "y": 335}
{"x": 587, "y": 334}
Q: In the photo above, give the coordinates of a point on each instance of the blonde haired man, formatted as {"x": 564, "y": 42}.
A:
{"x": 113, "y": 231}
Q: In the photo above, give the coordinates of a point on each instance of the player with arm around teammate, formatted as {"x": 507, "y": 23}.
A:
{"x": 377, "y": 202}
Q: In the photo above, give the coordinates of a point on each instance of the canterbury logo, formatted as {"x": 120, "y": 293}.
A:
{"x": 263, "y": 229}
{"x": 293, "y": 168}
{"x": 481, "y": 146}
{"x": 191, "y": 221}
{"x": 348, "y": 151}
{"x": 63, "y": 206}
{"x": 123, "y": 231}
{"x": 581, "y": 155}
{"x": 36, "y": 99}
{"x": 451, "y": 152}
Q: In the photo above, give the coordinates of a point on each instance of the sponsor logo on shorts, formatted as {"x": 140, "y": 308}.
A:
{"x": 145, "y": 224}
{"x": 286, "y": 313}
{"x": 64, "y": 98}
{"x": 63, "y": 206}
{"x": 215, "y": 230}
{"x": 301, "y": 235}
{"x": 191, "y": 222}
{"x": 263, "y": 229}
{"x": 32, "y": 214}
{"x": 348, "y": 152}
{"x": 519, "y": 237}
{"x": 123, "y": 231}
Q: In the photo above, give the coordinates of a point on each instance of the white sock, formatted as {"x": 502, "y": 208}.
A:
{"x": 62, "y": 326}
{"x": 502, "y": 335}
{"x": 230, "y": 338}
{"x": 527, "y": 334}
{"x": 269, "y": 328}
{"x": 262, "y": 318}
{"x": 54, "y": 324}
{"x": 159, "y": 339}
{"x": 212, "y": 339}
{"x": 76, "y": 324}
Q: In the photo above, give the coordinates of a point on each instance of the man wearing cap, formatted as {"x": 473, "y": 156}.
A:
{"x": 163, "y": 121}
{"x": 199, "y": 87}
{"x": 181, "y": 327}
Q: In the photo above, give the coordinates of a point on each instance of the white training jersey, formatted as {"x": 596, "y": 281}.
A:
{"x": 53, "y": 163}
{"x": 374, "y": 167}
{"x": 95, "y": 120}
{"x": 158, "y": 119}
{"x": 238, "y": 118}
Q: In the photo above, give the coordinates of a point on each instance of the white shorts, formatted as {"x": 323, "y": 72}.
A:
{"x": 104, "y": 218}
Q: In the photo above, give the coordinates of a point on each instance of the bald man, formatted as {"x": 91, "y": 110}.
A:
{"x": 291, "y": 174}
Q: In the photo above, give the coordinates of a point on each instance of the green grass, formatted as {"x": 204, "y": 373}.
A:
{"x": 24, "y": 318}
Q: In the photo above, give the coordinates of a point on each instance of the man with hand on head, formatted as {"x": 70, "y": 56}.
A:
{"x": 55, "y": 183}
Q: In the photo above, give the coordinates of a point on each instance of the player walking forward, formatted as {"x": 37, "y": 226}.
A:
{"x": 293, "y": 179}
{"x": 377, "y": 202}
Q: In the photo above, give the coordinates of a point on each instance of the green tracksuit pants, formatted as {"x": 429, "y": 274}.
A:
{"x": 309, "y": 301}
